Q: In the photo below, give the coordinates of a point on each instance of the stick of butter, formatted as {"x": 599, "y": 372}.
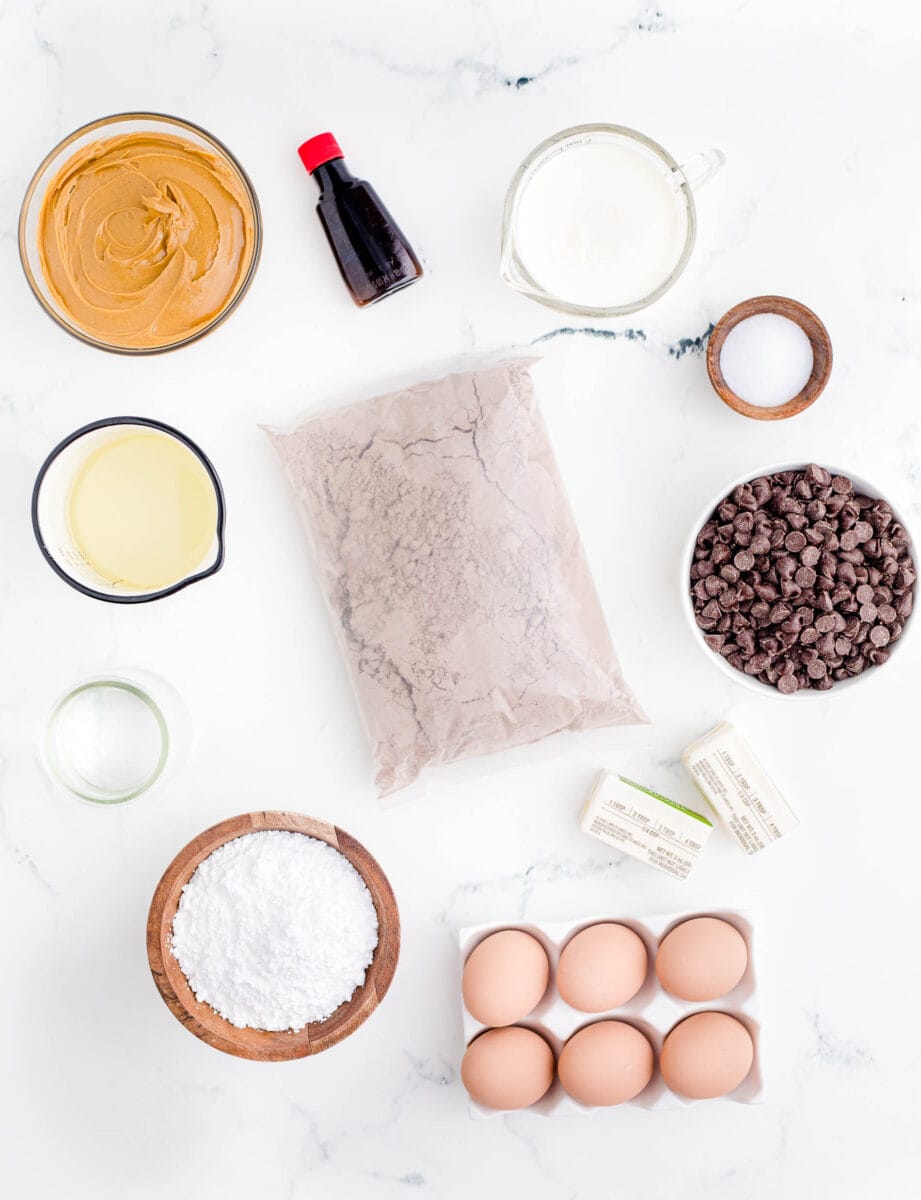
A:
{"x": 644, "y": 824}
{"x": 738, "y": 788}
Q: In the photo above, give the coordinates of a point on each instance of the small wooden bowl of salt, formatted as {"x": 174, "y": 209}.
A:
{"x": 769, "y": 358}
{"x": 213, "y": 910}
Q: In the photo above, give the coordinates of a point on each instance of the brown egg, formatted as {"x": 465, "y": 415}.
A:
{"x": 707, "y": 1055}
{"x": 507, "y": 1068}
{"x": 505, "y": 977}
{"x": 606, "y": 1063}
{"x": 701, "y": 959}
{"x": 602, "y": 967}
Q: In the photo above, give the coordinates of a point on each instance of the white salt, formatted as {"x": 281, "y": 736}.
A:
{"x": 275, "y": 930}
{"x": 766, "y": 359}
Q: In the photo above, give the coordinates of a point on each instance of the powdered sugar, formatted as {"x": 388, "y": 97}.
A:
{"x": 275, "y": 930}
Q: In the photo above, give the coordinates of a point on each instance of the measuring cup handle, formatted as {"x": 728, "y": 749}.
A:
{"x": 701, "y": 167}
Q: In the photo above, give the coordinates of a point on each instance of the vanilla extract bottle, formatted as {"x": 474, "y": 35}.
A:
{"x": 374, "y": 257}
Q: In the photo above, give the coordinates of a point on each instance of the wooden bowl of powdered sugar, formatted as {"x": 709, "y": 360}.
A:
{"x": 273, "y": 935}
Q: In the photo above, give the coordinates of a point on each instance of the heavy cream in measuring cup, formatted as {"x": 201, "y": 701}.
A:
{"x": 602, "y": 224}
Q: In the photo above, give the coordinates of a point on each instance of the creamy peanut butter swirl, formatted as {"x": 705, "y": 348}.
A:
{"x": 144, "y": 238}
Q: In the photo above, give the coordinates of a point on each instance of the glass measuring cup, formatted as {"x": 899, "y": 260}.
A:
{"x": 654, "y": 257}
{"x": 51, "y": 525}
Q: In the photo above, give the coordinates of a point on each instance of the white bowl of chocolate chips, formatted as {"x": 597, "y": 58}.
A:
{"x": 798, "y": 580}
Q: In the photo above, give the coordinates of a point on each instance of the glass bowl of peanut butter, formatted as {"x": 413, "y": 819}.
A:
{"x": 140, "y": 233}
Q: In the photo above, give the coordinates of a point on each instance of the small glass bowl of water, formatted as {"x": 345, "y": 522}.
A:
{"x": 108, "y": 740}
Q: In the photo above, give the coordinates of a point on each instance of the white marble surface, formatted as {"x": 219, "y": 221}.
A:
{"x": 815, "y": 106}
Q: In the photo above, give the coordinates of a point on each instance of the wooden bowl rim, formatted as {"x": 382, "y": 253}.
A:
{"x": 814, "y": 330}
{"x": 258, "y": 1044}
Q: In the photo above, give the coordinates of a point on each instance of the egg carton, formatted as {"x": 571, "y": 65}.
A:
{"x": 652, "y": 1010}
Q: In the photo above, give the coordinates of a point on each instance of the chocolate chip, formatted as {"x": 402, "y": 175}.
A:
{"x": 744, "y": 560}
{"x": 817, "y": 476}
{"x": 840, "y": 595}
{"x": 746, "y": 642}
{"x": 880, "y": 635}
{"x": 761, "y": 490}
{"x": 795, "y": 541}
{"x": 787, "y": 684}
{"x": 814, "y": 536}
{"x": 826, "y": 645}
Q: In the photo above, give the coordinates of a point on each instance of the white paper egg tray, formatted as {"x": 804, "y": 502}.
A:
{"x": 652, "y": 1010}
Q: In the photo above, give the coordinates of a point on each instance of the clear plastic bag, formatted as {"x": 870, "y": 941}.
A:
{"x": 452, "y": 564}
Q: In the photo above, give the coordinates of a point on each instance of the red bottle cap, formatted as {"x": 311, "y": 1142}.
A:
{"x": 319, "y": 150}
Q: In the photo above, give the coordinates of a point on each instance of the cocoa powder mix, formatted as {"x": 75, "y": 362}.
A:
{"x": 451, "y": 561}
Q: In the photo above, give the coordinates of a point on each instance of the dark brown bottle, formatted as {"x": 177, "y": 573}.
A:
{"x": 374, "y": 257}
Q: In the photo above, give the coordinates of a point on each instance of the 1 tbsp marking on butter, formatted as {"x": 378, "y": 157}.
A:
{"x": 643, "y": 824}
{"x": 738, "y": 789}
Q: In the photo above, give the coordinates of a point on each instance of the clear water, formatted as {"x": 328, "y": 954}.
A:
{"x": 107, "y": 742}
